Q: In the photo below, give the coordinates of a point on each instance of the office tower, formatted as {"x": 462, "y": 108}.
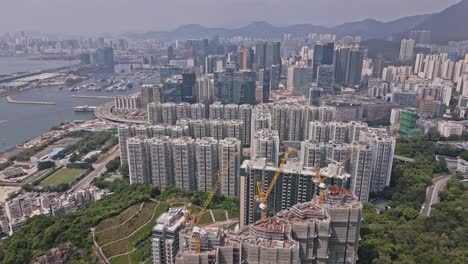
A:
{"x": 108, "y": 57}
{"x": 170, "y": 54}
{"x": 230, "y": 166}
{"x": 273, "y": 54}
{"x": 189, "y": 81}
{"x": 323, "y": 55}
{"x": 151, "y": 93}
{"x": 260, "y": 55}
{"x": 217, "y": 129}
{"x": 312, "y": 154}
{"x": 216, "y": 110}
{"x": 280, "y": 120}
{"x": 183, "y": 111}
{"x": 326, "y": 78}
{"x": 205, "y": 89}
{"x": 233, "y": 129}
{"x": 235, "y": 87}
{"x": 319, "y": 132}
{"x": 294, "y": 186}
{"x": 245, "y": 115}
{"x": 261, "y": 119}
{"x": 199, "y": 128}
{"x": 299, "y": 79}
{"x": 231, "y": 112}
{"x": 165, "y": 236}
{"x": 197, "y": 111}
{"x": 160, "y": 149}
{"x": 206, "y": 154}
{"x": 183, "y": 160}
{"x": 213, "y": 63}
{"x": 275, "y": 76}
{"x": 264, "y": 82}
{"x": 245, "y": 59}
{"x": 266, "y": 145}
{"x": 173, "y": 89}
{"x": 168, "y": 113}
{"x": 138, "y": 160}
{"x": 348, "y": 66}
{"x": 124, "y": 133}
{"x": 407, "y": 50}
{"x": 167, "y": 71}
{"x": 361, "y": 172}
{"x": 315, "y": 96}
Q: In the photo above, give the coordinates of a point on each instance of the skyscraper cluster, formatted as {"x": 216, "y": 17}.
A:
{"x": 185, "y": 163}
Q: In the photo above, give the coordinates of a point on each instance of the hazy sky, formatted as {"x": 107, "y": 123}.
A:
{"x": 96, "y": 16}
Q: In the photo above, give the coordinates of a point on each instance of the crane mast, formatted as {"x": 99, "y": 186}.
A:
{"x": 262, "y": 197}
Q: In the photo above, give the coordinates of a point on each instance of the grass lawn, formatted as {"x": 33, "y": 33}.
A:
{"x": 62, "y": 176}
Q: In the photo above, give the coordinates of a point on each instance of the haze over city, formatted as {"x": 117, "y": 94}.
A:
{"x": 117, "y": 16}
{"x": 233, "y": 131}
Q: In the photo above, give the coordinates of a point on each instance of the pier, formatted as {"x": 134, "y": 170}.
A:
{"x": 13, "y": 101}
{"x": 93, "y": 96}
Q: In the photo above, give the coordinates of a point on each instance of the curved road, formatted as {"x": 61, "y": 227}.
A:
{"x": 432, "y": 194}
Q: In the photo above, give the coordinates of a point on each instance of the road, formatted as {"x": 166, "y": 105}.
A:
{"x": 99, "y": 168}
{"x": 432, "y": 194}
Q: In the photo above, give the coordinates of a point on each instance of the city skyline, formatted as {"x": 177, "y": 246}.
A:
{"x": 93, "y": 17}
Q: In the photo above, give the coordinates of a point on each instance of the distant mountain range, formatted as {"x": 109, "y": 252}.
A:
{"x": 450, "y": 24}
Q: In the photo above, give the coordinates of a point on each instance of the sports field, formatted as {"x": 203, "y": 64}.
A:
{"x": 62, "y": 176}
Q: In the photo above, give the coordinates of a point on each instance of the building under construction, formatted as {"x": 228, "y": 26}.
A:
{"x": 311, "y": 232}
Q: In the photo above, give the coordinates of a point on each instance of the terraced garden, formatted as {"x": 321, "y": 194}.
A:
{"x": 124, "y": 238}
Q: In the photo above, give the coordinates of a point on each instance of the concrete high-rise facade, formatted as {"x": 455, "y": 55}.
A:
{"x": 312, "y": 154}
{"x": 206, "y": 154}
{"x": 294, "y": 186}
{"x": 160, "y": 149}
{"x": 245, "y": 115}
{"x": 361, "y": 172}
{"x": 407, "y": 50}
{"x": 230, "y": 166}
{"x": 266, "y": 145}
{"x": 198, "y": 111}
{"x": 261, "y": 119}
{"x": 280, "y": 120}
{"x": 165, "y": 236}
{"x": 124, "y": 133}
{"x": 183, "y": 160}
{"x": 138, "y": 160}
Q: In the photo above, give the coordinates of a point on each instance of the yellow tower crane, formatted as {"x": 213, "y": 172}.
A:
{"x": 262, "y": 197}
{"x": 320, "y": 179}
{"x": 195, "y": 219}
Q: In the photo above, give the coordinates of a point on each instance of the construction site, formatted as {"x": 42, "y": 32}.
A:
{"x": 309, "y": 232}
{"x": 322, "y": 226}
